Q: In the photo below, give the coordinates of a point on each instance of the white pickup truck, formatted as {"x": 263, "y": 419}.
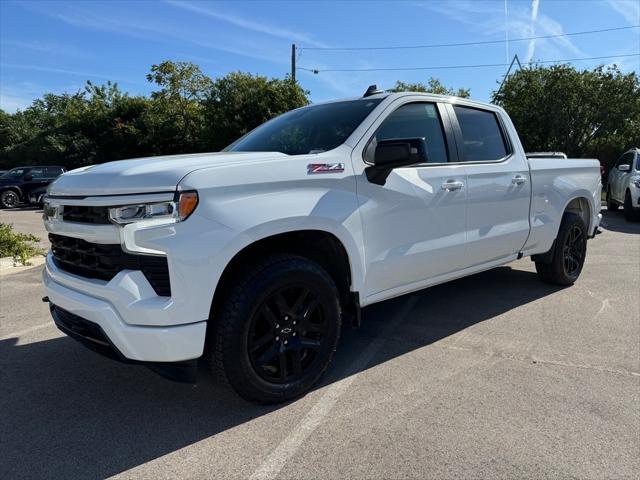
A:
{"x": 253, "y": 257}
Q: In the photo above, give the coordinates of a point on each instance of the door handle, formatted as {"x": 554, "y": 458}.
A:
{"x": 518, "y": 180}
{"x": 452, "y": 185}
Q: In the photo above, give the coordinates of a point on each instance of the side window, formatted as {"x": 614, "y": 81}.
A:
{"x": 625, "y": 159}
{"x": 37, "y": 173}
{"x": 52, "y": 172}
{"x": 417, "y": 120}
{"x": 481, "y": 135}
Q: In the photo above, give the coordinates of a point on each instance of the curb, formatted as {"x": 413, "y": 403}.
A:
{"x": 7, "y": 265}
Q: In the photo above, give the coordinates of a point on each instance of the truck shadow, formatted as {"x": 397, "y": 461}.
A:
{"x": 67, "y": 412}
{"x": 616, "y": 222}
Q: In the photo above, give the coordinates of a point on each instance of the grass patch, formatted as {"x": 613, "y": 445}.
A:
{"x": 18, "y": 245}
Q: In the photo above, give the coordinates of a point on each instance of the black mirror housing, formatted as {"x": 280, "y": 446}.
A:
{"x": 395, "y": 153}
{"x": 28, "y": 177}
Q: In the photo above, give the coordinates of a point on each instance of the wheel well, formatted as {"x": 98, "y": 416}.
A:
{"x": 14, "y": 189}
{"x": 322, "y": 247}
{"x": 580, "y": 206}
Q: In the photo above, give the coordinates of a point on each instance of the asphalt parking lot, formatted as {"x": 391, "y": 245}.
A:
{"x": 493, "y": 376}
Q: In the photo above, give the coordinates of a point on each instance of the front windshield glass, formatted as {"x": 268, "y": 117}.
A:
{"x": 312, "y": 129}
{"x": 15, "y": 173}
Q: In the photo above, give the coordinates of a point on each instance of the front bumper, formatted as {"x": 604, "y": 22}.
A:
{"x": 93, "y": 337}
{"x": 175, "y": 343}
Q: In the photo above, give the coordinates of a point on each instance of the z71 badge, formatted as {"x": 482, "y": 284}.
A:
{"x": 314, "y": 168}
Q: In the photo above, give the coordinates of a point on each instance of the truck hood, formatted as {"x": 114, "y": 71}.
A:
{"x": 146, "y": 175}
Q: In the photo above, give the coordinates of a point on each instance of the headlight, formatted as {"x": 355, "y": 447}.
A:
{"x": 49, "y": 212}
{"x": 177, "y": 210}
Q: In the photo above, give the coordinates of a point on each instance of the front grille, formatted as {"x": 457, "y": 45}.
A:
{"x": 94, "y": 260}
{"x": 82, "y": 214}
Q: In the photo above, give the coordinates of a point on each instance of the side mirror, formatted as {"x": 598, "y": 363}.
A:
{"x": 28, "y": 177}
{"x": 624, "y": 167}
{"x": 395, "y": 153}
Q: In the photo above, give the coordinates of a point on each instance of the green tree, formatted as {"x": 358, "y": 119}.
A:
{"x": 239, "y": 102}
{"x": 176, "y": 115}
{"x": 582, "y": 113}
{"x": 187, "y": 113}
{"x": 433, "y": 86}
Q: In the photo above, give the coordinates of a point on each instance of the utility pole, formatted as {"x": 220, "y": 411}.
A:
{"x": 293, "y": 62}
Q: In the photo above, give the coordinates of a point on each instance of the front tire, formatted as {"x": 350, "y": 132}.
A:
{"x": 630, "y": 214}
{"x": 611, "y": 206}
{"x": 569, "y": 252}
{"x": 9, "y": 199}
{"x": 277, "y": 330}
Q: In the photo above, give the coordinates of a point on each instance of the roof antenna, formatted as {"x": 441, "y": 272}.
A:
{"x": 372, "y": 90}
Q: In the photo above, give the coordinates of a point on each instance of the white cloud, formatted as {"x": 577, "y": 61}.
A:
{"x": 56, "y": 70}
{"x": 629, "y": 9}
{"x": 535, "y": 4}
{"x": 487, "y": 20}
{"x": 48, "y": 47}
{"x": 155, "y": 32}
{"x": 11, "y": 104}
{"x": 247, "y": 24}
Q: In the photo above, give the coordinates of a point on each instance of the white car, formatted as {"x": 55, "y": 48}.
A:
{"x": 624, "y": 185}
{"x": 253, "y": 257}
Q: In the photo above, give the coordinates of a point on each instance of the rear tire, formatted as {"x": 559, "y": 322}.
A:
{"x": 9, "y": 199}
{"x": 630, "y": 214}
{"x": 611, "y": 206}
{"x": 278, "y": 329}
{"x": 569, "y": 252}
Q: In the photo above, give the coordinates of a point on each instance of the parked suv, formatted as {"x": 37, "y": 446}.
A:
{"x": 26, "y": 184}
{"x": 253, "y": 257}
{"x": 623, "y": 186}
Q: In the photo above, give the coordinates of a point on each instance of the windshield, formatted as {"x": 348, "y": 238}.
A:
{"x": 15, "y": 173}
{"x": 312, "y": 129}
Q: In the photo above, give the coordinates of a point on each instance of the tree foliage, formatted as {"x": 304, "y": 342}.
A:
{"x": 239, "y": 102}
{"x": 433, "y": 86}
{"x": 187, "y": 112}
{"x": 582, "y": 113}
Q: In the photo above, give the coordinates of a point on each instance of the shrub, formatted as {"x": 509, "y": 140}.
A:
{"x": 18, "y": 245}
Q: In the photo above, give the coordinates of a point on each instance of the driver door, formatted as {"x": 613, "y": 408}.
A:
{"x": 414, "y": 225}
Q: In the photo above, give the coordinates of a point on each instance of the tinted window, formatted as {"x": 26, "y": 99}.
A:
{"x": 481, "y": 134}
{"x": 52, "y": 171}
{"x": 317, "y": 128}
{"x": 417, "y": 120}
{"x": 626, "y": 159}
{"x": 37, "y": 173}
{"x": 14, "y": 173}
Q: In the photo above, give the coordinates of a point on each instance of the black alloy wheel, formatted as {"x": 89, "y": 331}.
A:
{"x": 287, "y": 333}
{"x": 573, "y": 251}
{"x": 9, "y": 199}
{"x": 563, "y": 264}
{"x": 276, "y": 330}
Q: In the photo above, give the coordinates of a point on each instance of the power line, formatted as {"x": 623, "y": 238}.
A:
{"x": 464, "y": 44}
{"x": 448, "y": 67}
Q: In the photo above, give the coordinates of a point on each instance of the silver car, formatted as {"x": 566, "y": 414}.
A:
{"x": 623, "y": 186}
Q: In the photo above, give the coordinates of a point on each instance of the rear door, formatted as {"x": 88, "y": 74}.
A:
{"x": 498, "y": 185}
{"x": 414, "y": 224}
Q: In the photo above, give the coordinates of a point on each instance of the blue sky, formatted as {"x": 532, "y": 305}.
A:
{"x": 52, "y": 46}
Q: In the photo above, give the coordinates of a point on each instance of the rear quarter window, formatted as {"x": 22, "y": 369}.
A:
{"x": 482, "y": 136}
